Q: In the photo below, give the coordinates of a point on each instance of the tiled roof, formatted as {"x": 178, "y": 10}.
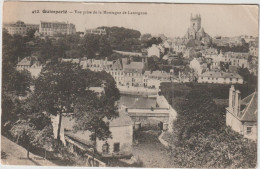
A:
{"x": 249, "y": 113}
{"x": 25, "y": 62}
{"x": 117, "y": 65}
{"x": 134, "y": 67}
{"x": 157, "y": 73}
{"x": 220, "y": 74}
{"x": 80, "y": 136}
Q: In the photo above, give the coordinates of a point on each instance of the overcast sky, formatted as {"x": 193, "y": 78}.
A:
{"x": 169, "y": 19}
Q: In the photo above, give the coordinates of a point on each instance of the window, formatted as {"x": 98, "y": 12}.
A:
{"x": 105, "y": 148}
{"x": 248, "y": 130}
{"x": 116, "y": 147}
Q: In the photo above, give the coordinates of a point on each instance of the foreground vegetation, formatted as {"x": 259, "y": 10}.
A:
{"x": 200, "y": 137}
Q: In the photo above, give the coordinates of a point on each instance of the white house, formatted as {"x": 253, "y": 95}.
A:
{"x": 119, "y": 146}
{"x": 237, "y": 59}
{"x": 220, "y": 77}
{"x": 241, "y": 115}
{"x": 253, "y": 50}
{"x": 30, "y": 64}
{"x": 154, "y": 50}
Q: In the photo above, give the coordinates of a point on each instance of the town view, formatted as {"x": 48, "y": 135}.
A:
{"x": 116, "y": 96}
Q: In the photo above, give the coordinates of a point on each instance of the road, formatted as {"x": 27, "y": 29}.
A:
{"x": 13, "y": 154}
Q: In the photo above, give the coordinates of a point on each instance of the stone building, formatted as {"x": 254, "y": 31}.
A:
{"x": 253, "y": 50}
{"x": 236, "y": 59}
{"x": 133, "y": 71}
{"x": 20, "y": 28}
{"x": 195, "y": 31}
{"x": 56, "y": 28}
{"x": 220, "y": 77}
{"x": 30, "y": 64}
{"x": 241, "y": 115}
{"x": 119, "y": 146}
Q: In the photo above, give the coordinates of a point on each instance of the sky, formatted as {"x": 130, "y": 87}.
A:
{"x": 169, "y": 19}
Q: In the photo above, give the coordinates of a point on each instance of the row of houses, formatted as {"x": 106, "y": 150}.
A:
{"x": 221, "y": 68}
{"x": 125, "y": 71}
{"x": 48, "y": 28}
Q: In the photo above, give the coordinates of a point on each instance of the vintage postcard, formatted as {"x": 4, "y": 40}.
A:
{"x": 129, "y": 85}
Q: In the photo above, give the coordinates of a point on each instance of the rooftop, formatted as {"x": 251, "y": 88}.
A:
{"x": 25, "y": 62}
{"x": 216, "y": 74}
{"x": 249, "y": 113}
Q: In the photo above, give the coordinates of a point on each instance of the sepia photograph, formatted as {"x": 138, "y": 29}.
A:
{"x": 143, "y": 85}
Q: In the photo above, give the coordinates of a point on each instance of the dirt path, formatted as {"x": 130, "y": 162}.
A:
{"x": 150, "y": 151}
{"x": 13, "y": 154}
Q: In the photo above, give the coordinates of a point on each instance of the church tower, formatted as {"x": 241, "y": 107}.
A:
{"x": 195, "y": 22}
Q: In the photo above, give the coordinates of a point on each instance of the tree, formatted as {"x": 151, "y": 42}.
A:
{"x": 33, "y": 127}
{"x": 105, "y": 49}
{"x": 14, "y": 47}
{"x": 93, "y": 112}
{"x": 46, "y": 50}
{"x": 224, "y": 66}
{"x": 57, "y": 87}
{"x": 244, "y": 72}
{"x": 30, "y": 34}
{"x": 90, "y": 45}
{"x": 61, "y": 84}
{"x": 15, "y": 81}
{"x": 152, "y": 41}
{"x": 201, "y": 139}
{"x": 23, "y": 132}
{"x": 91, "y": 115}
{"x": 146, "y": 37}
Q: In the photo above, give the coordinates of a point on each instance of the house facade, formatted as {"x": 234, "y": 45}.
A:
{"x": 236, "y": 59}
{"x": 241, "y": 115}
{"x": 220, "y": 78}
{"x": 119, "y": 146}
{"x": 30, "y": 64}
{"x": 20, "y": 28}
{"x": 55, "y": 28}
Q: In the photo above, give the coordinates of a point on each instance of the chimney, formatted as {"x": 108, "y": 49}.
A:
{"x": 237, "y": 102}
{"x": 231, "y": 94}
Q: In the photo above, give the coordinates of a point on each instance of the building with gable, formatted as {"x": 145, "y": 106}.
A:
{"x": 241, "y": 115}
{"x": 30, "y": 64}
{"x": 133, "y": 71}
